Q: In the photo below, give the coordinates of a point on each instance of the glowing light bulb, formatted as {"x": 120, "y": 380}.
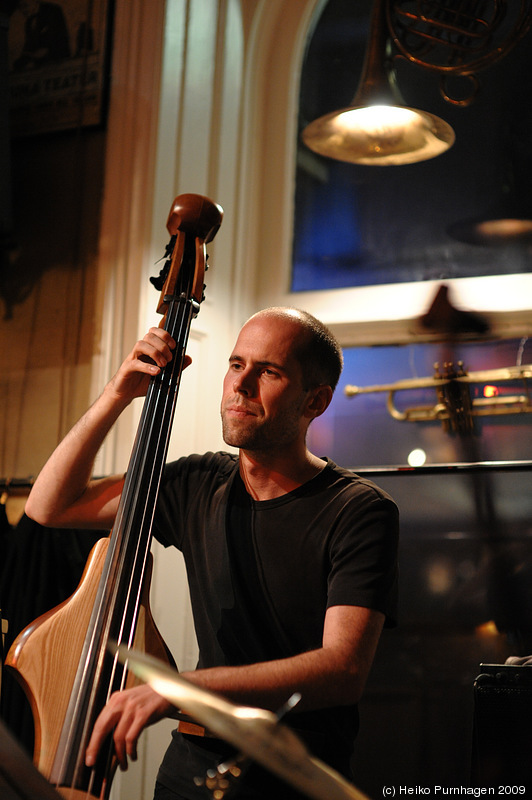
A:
{"x": 417, "y": 457}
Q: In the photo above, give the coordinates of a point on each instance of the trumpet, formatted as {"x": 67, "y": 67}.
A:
{"x": 454, "y": 407}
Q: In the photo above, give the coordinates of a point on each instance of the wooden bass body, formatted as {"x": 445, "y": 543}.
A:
{"x": 46, "y": 655}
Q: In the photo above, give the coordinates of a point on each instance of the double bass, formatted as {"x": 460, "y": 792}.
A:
{"x": 62, "y": 659}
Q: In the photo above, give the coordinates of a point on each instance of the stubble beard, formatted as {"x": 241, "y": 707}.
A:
{"x": 244, "y": 436}
{"x": 264, "y": 436}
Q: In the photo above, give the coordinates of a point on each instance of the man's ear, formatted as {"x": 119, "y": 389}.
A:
{"x": 318, "y": 402}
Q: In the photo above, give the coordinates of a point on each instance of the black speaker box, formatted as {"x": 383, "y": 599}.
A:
{"x": 502, "y": 729}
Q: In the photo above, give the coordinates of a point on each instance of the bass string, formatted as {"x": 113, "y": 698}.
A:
{"x": 159, "y": 412}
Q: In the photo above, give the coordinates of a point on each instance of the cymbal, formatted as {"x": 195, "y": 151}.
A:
{"x": 253, "y": 731}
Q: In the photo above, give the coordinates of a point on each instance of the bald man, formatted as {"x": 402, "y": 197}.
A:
{"x": 291, "y": 560}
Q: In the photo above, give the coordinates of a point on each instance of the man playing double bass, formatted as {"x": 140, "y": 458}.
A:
{"x": 291, "y": 560}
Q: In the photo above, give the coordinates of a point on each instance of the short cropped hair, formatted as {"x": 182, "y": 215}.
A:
{"x": 319, "y": 352}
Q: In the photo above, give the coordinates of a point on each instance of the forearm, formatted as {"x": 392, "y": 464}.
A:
{"x": 321, "y": 680}
{"x": 60, "y": 494}
{"x": 332, "y": 675}
{"x": 64, "y": 495}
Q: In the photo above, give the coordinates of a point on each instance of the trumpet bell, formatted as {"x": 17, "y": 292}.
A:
{"x": 378, "y": 128}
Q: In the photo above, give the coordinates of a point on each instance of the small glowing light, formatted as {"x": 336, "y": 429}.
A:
{"x": 378, "y": 120}
{"x": 491, "y": 391}
{"x": 504, "y": 229}
{"x": 439, "y": 577}
{"x": 417, "y": 457}
{"x": 486, "y": 630}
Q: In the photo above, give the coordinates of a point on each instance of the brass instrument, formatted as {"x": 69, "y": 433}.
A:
{"x": 454, "y": 407}
{"x": 457, "y": 40}
{"x": 453, "y": 40}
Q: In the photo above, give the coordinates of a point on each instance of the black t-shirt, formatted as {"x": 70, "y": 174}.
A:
{"x": 262, "y": 575}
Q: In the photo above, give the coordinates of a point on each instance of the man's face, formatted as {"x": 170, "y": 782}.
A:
{"x": 263, "y": 398}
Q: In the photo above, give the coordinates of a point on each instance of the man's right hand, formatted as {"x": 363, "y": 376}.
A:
{"x": 148, "y": 357}
{"x": 127, "y": 713}
{"x": 64, "y": 495}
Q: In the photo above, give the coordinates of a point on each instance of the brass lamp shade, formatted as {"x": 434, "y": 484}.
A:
{"x": 493, "y": 231}
{"x": 378, "y": 128}
{"x": 379, "y": 134}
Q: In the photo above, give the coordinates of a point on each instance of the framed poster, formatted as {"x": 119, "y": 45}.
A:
{"x": 58, "y": 65}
